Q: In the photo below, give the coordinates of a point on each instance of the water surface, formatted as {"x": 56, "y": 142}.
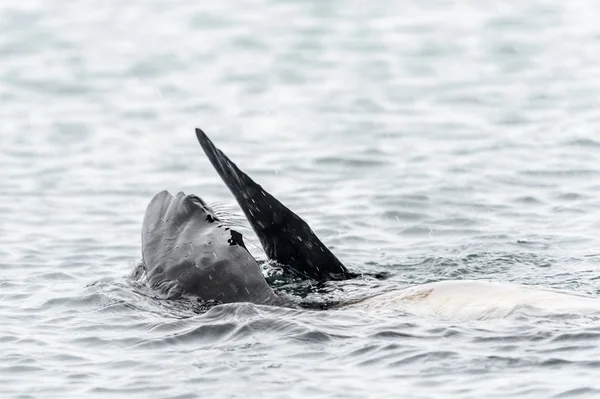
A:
{"x": 432, "y": 140}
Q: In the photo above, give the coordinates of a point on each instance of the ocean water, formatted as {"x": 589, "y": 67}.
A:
{"x": 431, "y": 140}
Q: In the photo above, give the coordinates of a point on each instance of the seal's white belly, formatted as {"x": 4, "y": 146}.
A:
{"x": 469, "y": 299}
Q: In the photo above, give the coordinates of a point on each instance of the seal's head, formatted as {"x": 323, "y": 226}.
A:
{"x": 186, "y": 249}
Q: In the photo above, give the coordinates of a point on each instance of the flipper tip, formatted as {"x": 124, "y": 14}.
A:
{"x": 207, "y": 145}
{"x": 201, "y": 135}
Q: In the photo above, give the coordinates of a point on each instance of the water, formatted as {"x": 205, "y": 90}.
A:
{"x": 433, "y": 140}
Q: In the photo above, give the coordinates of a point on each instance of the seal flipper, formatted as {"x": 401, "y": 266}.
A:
{"x": 284, "y": 236}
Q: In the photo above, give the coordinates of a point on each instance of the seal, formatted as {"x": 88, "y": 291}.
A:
{"x": 188, "y": 250}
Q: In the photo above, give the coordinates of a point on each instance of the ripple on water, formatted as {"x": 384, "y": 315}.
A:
{"x": 449, "y": 143}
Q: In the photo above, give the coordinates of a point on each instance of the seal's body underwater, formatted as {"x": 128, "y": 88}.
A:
{"x": 187, "y": 250}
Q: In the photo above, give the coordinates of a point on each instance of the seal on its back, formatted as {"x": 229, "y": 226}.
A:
{"x": 187, "y": 250}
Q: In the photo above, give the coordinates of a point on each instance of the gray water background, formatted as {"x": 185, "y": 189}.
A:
{"x": 434, "y": 140}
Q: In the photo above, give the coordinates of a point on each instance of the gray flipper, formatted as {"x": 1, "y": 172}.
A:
{"x": 284, "y": 236}
{"x": 188, "y": 251}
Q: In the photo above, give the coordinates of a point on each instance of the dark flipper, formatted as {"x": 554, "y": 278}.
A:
{"x": 284, "y": 236}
